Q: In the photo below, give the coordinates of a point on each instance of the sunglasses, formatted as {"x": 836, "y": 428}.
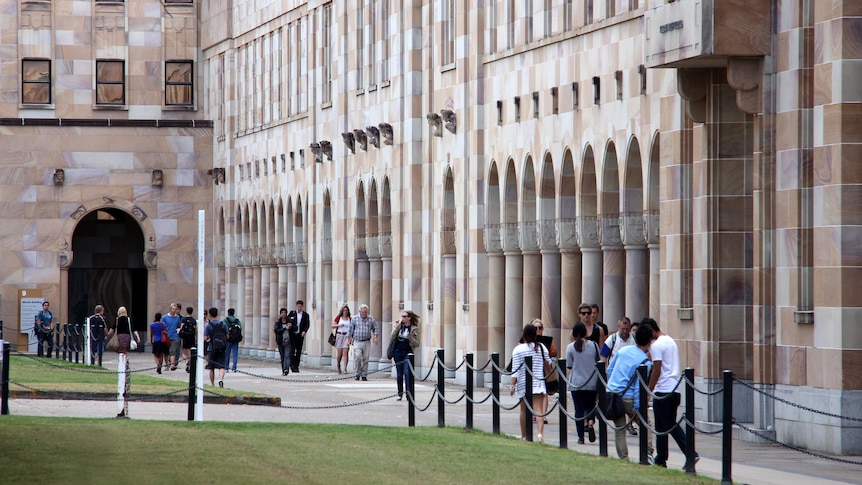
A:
{"x": 586, "y": 313}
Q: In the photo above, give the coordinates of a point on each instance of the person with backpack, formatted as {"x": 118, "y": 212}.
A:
{"x": 234, "y": 337}
{"x": 44, "y": 329}
{"x": 623, "y": 337}
{"x": 621, "y": 372}
{"x": 188, "y": 334}
{"x": 216, "y": 337}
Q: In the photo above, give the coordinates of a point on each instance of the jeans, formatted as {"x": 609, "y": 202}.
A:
{"x": 585, "y": 403}
{"x": 664, "y": 409}
{"x": 402, "y": 368}
{"x": 231, "y": 351}
{"x": 97, "y": 347}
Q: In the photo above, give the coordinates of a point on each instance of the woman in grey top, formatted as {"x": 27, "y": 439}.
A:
{"x": 581, "y": 357}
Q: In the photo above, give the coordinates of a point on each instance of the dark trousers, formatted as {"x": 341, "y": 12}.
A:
{"x": 585, "y": 403}
{"x": 296, "y": 341}
{"x": 44, "y": 337}
{"x": 281, "y": 353}
{"x": 664, "y": 409}
{"x": 402, "y": 369}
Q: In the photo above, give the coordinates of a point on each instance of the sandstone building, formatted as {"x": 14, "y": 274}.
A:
{"x": 481, "y": 163}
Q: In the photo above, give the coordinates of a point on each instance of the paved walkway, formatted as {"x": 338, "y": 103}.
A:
{"x": 323, "y": 396}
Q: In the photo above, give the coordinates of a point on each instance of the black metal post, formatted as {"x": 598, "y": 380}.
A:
{"x": 528, "y": 395}
{"x": 495, "y": 393}
{"x": 193, "y": 366}
{"x": 411, "y": 393}
{"x": 727, "y": 429}
{"x": 603, "y": 427}
{"x": 563, "y": 395}
{"x": 642, "y": 410}
{"x": 689, "y": 417}
{"x": 78, "y": 342}
{"x": 469, "y": 405}
{"x": 4, "y": 380}
{"x": 67, "y": 352}
{"x": 441, "y": 390}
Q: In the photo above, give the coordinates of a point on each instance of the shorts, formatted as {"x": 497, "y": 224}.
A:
{"x": 215, "y": 359}
{"x": 188, "y": 342}
{"x": 159, "y": 347}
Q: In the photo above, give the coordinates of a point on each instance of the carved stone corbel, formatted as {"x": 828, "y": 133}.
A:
{"x": 373, "y": 136}
{"x": 349, "y": 141}
{"x": 744, "y": 75}
{"x": 386, "y": 133}
{"x": 326, "y": 148}
{"x": 360, "y": 137}
{"x": 451, "y": 122}
{"x": 693, "y": 85}
{"x": 436, "y": 124}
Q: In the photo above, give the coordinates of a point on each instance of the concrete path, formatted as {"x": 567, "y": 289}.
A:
{"x": 322, "y": 396}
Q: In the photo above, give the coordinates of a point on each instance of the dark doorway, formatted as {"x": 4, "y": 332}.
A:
{"x": 108, "y": 268}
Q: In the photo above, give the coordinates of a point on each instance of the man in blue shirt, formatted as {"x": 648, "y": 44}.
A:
{"x": 623, "y": 367}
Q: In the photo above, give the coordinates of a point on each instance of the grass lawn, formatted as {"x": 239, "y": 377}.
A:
{"x": 59, "y": 375}
{"x": 93, "y": 451}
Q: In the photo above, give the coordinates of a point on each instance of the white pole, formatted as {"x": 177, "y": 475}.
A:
{"x": 199, "y": 378}
{"x": 88, "y": 352}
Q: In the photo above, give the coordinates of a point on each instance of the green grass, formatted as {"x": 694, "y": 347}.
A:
{"x": 94, "y": 451}
{"x": 59, "y": 375}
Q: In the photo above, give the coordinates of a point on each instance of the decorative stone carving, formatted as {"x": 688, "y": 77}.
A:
{"x": 158, "y": 178}
{"x": 511, "y": 235}
{"x": 436, "y": 124}
{"x": 373, "y": 136}
{"x": 529, "y": 236}
{"x": 238, "y": 258}
{"x": 316, "y": 150}
{"x": 567, "y": 234}
{"x": 326, "y": 148}
{"x": 631, "y": 228}
{"x": 372, "y": 246}
{"x": 547, "y": 234}
{"x": 651, "y": 227}
{"x": 692, "y": 85}
{"x": 65, "y": 259}
{"x": 609, "y": 230}
{"x": 385, "y": 242}
{"x": 588, "y": 232}
{"x": 300, "y": 252}
{"x": 386, "y": 133}
{"x": 492, "y": 240}
{"x": 447, "y": 240}
{"x": 361, "y": 138}
{"x": 151, "y": 259}
{"x": 139, "y": 213}
{"x": 449, "y": 120}
{"x": 290, "y": 253}
{"x": 349, "y": 141}
{"x": 264, "y": 253}
{"x": 279, "y": 254}
{"x": 359, "y": 243}
{"x": 744, "y": 75}
{"x": 59, "y": 177}
{"x": 80, "y": 211}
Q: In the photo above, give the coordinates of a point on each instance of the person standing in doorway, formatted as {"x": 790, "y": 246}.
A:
{"x": 360, "y": 335}
{"x": 341, "y": 325}
{"x": 298, "y": 323}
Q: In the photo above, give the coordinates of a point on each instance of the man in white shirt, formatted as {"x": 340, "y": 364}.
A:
{"x": 663, "y": 382}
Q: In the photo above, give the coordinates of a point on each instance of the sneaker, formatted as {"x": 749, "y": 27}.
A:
{"x": 580, "y": 441}
{"x": 398, "y": 398}
{"x": 221, "y": 383}
{"x": 591, "y": 433}
{"x": 631, "y": 430}
{"x": 655, "y": 462}
{"x": 159, "y": 370}
{"x": 696, "y": 459}
{"x": 356, "y": 378}
{"x": 284, "y": 372}
{"x": 539, "y": 439}
{"x": 364, "y": 378}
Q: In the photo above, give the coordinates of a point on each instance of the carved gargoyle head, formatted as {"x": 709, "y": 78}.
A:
{"x": 318, "y": 153}
{"x": 349, "y": 141}
{"x": 373, "y": 135}
{"x": 386, "y": 133}
{"x": 361, "y": 139}
{"x": 449, "y": 119}
{"x": 326, "y": 148}
{"x": 436, "y": 124}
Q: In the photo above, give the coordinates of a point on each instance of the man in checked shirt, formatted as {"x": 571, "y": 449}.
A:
{"x": 363, "y": 329}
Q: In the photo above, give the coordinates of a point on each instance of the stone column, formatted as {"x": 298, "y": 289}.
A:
{"x": 387, "y": 315}
{"x": 255, "y": 309}
{"x": 588, "y": 240}
{"x": 241, "y": 306}
{"x": 532, "y": 272}
{"x": 651, "y": 235}
{"x": 375, "y": 295}
{"x": 313, "y": 340}
{"x": 496, "y": 293}
{"x": 570, "y": 276}
{"x": 550, "y": 279}
{"x": 263, "y": 309}
{"x": 514, "y": 288}
{"x": 637, "y": 276}
{"x": 613, "y": 271}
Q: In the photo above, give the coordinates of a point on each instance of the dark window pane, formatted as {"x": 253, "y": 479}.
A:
{"x": 179, "y": 85}
{"x": 109, "y": 72}
{"x": 37, "y": 71}
{"x": 178, "y": 95}
{"x": 110, "y": 82}
{"x": 36, "y": 81}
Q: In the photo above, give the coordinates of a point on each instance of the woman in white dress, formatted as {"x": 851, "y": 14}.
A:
{"x": 530, "y": 347}
{"x": 341, "y": 325}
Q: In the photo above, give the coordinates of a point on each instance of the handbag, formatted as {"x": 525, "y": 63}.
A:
{"x": 613, "y": 407}
{"x": 166, "y": 339}
{"x": 331, "y": 339}
{"x": 390, "y": 352}
{"x": 552, "y": 385}
{"x": 133, "y": 345}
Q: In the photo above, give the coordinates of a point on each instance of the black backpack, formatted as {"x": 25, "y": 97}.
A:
{"x": 218, "y": 336}
{"x": 189, "y": 327}
{"x": 234, "y": 331}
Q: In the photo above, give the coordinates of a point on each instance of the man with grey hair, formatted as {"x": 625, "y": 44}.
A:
{"x": 362, "y": 330}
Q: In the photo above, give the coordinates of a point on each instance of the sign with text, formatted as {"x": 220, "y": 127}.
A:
{"x": 29, "y": 304}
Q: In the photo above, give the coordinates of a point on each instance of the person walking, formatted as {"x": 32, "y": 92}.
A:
{"x": 623, "y": 337}
{"x": 581, "y": 358}
{"x": 663, "y": 383}
{"x": 594, "y": 332}
{"x": 405, "y": 333}
{"x": 124, "y": 339}
{"x": 216, "y": 337}
{"x": 98, "y": 327}
{"x": 279, "y": 327}
{"x": 362, "y": 331}
{"x": 234, "y": 337}
{"x": 160, "y": 347}
{"x": 172, "y": 321}
{"x": 298, "y": 323}
{"x": 188, "y": 333}
{"x": 44, "y": 329}
{"x": 341, "y": 325}
{"x": 530, "y": 347}
{"x": 622, "y": 369}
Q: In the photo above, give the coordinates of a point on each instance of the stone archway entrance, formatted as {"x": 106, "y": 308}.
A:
{"x": 108, "y": 267}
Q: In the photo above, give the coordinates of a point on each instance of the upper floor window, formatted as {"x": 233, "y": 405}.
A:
{"x": 448, "y": 32}
{"x": 36, "y": 81}
{"x": 110, "y": 83}
{"x": 179, "y": 83}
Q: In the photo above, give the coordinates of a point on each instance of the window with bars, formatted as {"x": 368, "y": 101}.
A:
{"x": 36, "y": 81}
{"x": 179, "y": 83}
{"x": 110, "y": 83}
